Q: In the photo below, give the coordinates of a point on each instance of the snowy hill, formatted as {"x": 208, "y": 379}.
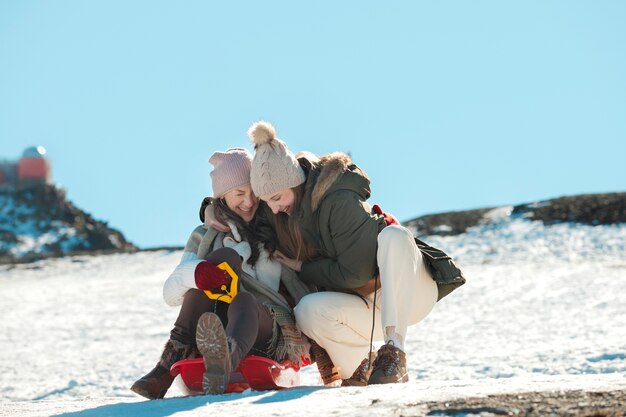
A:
{"x": 38, "y": 222}
{"x": 543, "y": 311}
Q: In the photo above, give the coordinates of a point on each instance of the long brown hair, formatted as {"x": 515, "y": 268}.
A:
{"x": 224, "y": 214}
{"x": 288, "y": 238}
{"x": 282, "y": 231}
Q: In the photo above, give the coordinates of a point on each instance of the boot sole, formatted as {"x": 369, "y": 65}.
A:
{"x": 388, "y": 380}
{"x": 213, "y": 345}
{"x": 146, "y": 393}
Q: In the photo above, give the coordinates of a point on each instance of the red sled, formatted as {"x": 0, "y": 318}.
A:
{"x": 255, "y": 372}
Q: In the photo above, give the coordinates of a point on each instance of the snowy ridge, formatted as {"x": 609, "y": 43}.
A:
{"x": 584, "y": 209}
{"x": 502, "y": 238}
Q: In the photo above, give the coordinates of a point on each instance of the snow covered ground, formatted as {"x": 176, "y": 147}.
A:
{"x": 543, "y": 309}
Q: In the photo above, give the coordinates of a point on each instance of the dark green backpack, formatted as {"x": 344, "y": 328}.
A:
{"x": 443, "y": 270}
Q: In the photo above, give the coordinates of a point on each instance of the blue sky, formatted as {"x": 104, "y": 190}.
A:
{"x": 448, "y": 105}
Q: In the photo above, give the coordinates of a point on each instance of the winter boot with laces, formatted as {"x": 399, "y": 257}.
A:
{"x": 221, "y": 354}
{"x": 362, "y": 373}
{"x": 155, "y": 384}
{"x": 389, "y": 366}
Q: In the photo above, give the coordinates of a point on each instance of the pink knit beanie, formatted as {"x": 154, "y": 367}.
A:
{"x": 231, "y": 169}
{"x": 274, "y": 167}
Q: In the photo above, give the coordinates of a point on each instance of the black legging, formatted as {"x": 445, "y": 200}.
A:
{"x": 245, "y": 320}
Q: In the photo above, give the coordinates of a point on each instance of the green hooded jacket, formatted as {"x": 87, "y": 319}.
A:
{"x": 336, "y": 218}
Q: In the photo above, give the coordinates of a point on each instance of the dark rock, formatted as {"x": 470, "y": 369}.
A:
{"x": 589, "y": 209}
{"x": 447, "y": 224}
{"x": 47, "y": 210}
{"x": 574, "y": 403}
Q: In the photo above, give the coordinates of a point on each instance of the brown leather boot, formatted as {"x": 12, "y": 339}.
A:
{"x": 389, "y": 366}
{"x": 362, "y": 373}
{"x": 155, "y": 383}
{"x": 214, "y": 347}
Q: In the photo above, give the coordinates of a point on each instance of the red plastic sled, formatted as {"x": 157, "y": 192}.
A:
{"x": 256, "y": 372}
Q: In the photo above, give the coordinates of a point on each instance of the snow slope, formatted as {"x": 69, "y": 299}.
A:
{"x": 543, "y": 309}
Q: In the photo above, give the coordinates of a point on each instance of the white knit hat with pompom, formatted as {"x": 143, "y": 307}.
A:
{"x": 274, "y": 167}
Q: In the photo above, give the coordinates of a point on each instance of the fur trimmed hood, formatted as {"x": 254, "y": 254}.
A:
{"x": 331, "y": 175}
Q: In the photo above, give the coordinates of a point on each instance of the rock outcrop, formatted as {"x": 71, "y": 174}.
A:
{"x": 590, "y": 209}
{"x": 38, "y": 222}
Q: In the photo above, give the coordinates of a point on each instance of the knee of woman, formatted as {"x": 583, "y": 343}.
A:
{"x": 194, "y": 295}
{"x": 305, "y": 312}
{"x": 243, "y": 300}
{"x": 228, "y": 255}
{"x": 394, "y": 233}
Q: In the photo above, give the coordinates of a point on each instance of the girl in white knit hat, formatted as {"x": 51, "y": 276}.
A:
{"x": 327, "y": 232}
{"x": 259, "y": 318}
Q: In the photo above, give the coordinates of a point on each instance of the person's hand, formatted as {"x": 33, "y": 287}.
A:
{"x": 209, "y": 277}
{"x": 294, "y": 264}
{"x": 389, "y": 218}
{"x": 211, "y": 221}
{"x": 242, "y": 248}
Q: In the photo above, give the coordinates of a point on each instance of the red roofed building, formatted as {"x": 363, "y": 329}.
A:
{"x": 33, "y": 167}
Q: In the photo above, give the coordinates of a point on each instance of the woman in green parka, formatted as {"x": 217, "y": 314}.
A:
{"x": 368, "y": 265}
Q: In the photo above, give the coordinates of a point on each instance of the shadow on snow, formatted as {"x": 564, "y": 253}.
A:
{"x": 169, "y": 406}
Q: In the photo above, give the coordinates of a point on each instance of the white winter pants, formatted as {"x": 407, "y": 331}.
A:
{"x": 342, "y": 323}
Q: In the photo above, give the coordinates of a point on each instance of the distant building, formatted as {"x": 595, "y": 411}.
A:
{"x": 32, "y": 168}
